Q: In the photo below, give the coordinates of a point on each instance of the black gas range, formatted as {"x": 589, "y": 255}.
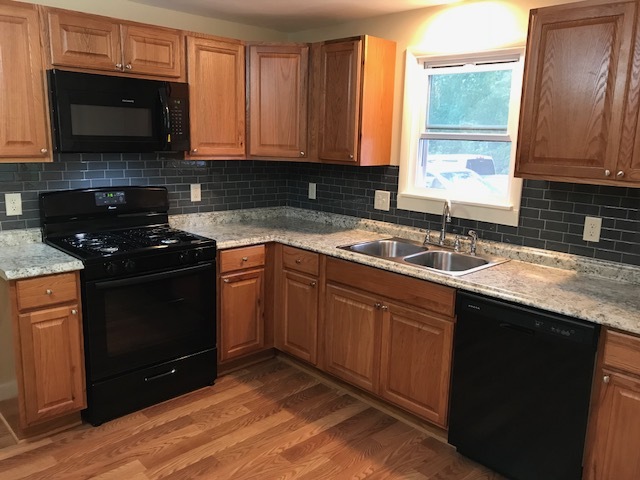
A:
{"x": 148, "y": 295}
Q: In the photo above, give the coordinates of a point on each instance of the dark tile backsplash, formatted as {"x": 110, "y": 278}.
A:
{"x": 552, "y": 214}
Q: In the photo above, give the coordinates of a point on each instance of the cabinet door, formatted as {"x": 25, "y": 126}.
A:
{"x": 278, "y": 77}
{"x": 339, "y": 101}
{"x": 416, "y": 361}
{"x": 84, "y": 41}
{"x": 352, "y": 329}
{"x": 617, "y": 435}
{"x": 23, "y": 114}
{"x": 52, "y": 363}
{"x": 216, "y": 97}
{"x": 300, "y": 316}
{"x": 152, "y": 51}
{"x": 573, "y": 100}
{"x": 241, "y": 313}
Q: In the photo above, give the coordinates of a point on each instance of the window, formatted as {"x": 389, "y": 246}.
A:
{"x": 459, "y": 132}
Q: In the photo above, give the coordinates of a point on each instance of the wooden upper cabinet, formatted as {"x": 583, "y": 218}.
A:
{"x": 278, "y": 92}
{"x": 90, "y": 42}
{"x": 216, "y": 97}
{"x": 23, "y": 113}
{"x": 574, "y": 94}
{"x": 352, "y": 100}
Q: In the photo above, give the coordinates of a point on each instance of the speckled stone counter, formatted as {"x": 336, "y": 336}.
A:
{"x": 602, "y": 292}
{"x": 23, "y": 255}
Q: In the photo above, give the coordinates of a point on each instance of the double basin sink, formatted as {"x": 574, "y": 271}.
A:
{"x": 431, "y": 257}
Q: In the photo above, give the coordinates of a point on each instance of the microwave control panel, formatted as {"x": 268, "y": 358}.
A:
{"x": 179, "y": 117}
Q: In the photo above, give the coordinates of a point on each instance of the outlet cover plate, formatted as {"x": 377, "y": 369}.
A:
{"x": 592, "y": 226}
{"x": 196, "y": 192}
{"x": 312, "y": 191}
{"x": 13, "y": 203}
{"x": 382, "y": 200}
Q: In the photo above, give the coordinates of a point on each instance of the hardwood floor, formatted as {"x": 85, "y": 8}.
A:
{"x": 269, "y": 421}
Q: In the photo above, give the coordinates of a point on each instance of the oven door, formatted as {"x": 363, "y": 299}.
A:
{"x": 139, "y": 321}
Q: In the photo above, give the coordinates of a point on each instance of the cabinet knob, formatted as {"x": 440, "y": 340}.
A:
{"x": 312, "y": 284}
{"x": 74, "y": 311}
{"x": 620, "y": 174}
{"x": 377, "y": 305}
{"x": 302, "y": 154}
{"x": 606, "y": 379}
{"x": 49, "y": 291}
{"x": 298, "y": 261}
{"x": 118, "y": 66}
{"x": 384, "y": 308}
{"x": 128, "y": 66}
{"x": 43, "y": 150}
{"x": 226, "y": 280}
{"x": 607, "y": 173}
{"x": 245, "y": 259}
{"x": 351, "y": 156}
{"x": 195, "y": 150}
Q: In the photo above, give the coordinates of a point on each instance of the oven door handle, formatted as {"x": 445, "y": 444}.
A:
{"x": 143, "y": 278}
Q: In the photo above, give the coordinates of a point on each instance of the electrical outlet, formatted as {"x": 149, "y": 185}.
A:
{"x": 382, "y": 200}
{"x": 312, "y": 191}
{"x": 13, "y": 203}
{"x": 592, "y": 226}
{"x": 196, "y": 192}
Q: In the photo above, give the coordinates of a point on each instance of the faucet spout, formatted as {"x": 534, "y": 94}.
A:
{"x": 446, "y": 218}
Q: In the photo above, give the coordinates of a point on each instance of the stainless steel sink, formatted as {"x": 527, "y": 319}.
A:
{"x": 387, "y": 248}
{"x": 432, "y": 257}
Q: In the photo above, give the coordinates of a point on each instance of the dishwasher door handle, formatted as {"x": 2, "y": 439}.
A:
{"x": 517, "y": 328}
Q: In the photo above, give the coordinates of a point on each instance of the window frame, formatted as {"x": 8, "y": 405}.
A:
{"x": 413, "y": 198}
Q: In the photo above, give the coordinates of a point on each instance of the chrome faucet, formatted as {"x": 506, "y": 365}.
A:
{"x": 474, "y": 241}
{"x": 446, "y": 218}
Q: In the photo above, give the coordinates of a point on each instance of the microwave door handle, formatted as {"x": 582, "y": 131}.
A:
{"x": 166, "y": 119}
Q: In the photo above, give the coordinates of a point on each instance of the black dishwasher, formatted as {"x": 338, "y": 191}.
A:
{"x": 521, "y": 386}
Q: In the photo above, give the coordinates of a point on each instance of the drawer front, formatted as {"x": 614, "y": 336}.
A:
{"x": 241, "y": 258}
{"x": 45, "y": 291}
{"x": 622, "y": 351}
{"x": 400, "y": 288}
{"x": 300, "y": 260}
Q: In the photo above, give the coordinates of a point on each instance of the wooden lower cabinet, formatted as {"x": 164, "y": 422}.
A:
{"x": 352, "y": 336}
{"x": 299, "y": 316}
{"x": 612, "y": 452}
{"x": 242, "y": 319}
{"x": 416, "y": 361}
{"x": 52, "y": 362}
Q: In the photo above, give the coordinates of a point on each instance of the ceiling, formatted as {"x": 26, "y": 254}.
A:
{"x": 292, "y": 15}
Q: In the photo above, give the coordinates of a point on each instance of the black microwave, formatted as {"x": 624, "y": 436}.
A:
{"x": 101, "y": 113}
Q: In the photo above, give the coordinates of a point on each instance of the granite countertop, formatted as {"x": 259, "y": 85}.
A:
{"x": 602, "y": 292}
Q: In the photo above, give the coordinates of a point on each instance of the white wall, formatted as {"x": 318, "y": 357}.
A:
{"x": 168, "y": 18}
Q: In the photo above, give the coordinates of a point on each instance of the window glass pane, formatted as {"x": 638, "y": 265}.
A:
{"x": 469, "y": 102}
{"x": 464, "y": 168}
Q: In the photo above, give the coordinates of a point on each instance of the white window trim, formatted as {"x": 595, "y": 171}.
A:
{"x": 408, "y": 196}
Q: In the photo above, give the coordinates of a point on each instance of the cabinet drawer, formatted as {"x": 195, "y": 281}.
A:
{"x": 45, "y": 291}
{"x": 402, "y": 289}
{"x": 241, "y": 258}
{"x": 300, "y": 260}
{"x": 622, "y": 351}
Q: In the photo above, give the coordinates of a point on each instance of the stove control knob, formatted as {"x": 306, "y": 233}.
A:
{"x": 197, "y": 255}
{"x": 129, "y": 266}
{"x": 185, "y": 257}
{"x": 111, "y": 268}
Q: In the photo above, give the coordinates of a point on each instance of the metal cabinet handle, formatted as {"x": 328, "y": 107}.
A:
{"x": 118, "y": 66}
{"x": 620, "y": 174}
{"x": 607, "y": 173}
{"x": 606, "y": 379}
{"x": 48, "y": 291}
{"x": 312, "y": 284}
{"x": 128, "y": 66}
{"x": 43, "y": 150}
{"x": 74, "y": 311}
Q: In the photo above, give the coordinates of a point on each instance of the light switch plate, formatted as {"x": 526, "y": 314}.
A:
{"x": 382, "y": 200}
{"x": 196, "y": 192}
{"x": 13, "y": 203}
{"x": 312, "y": 191}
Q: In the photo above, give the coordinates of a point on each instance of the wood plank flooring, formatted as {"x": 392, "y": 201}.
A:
{"x": 270, "y": 421}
